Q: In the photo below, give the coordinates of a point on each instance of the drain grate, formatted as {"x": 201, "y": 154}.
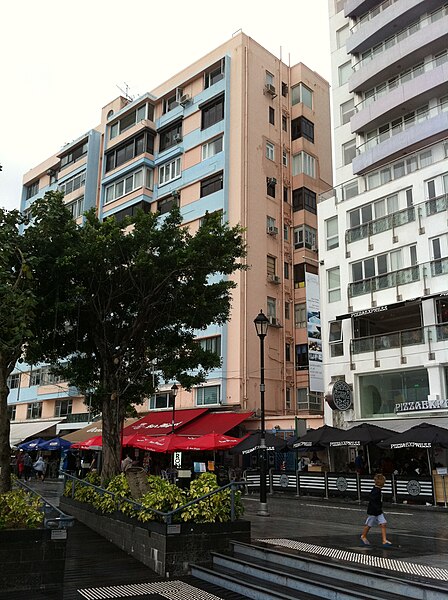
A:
{"x": 173, "y": 590}
{"x": 391, "y": 564}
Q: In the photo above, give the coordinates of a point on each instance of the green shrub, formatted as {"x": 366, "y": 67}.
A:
{"x": 20, "y": 510}
{"x": 163, "y": 496}
{"x": 214, "y": 509}
{"x": 119, "y": 486}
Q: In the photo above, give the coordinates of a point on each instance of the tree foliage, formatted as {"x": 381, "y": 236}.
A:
{"x": 134, "y": 295}
{"x": 32, "y": 266}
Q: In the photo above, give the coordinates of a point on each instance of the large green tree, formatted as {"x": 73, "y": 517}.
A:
{"x": 138, "y": 295}
{"x": 33, "y": 265}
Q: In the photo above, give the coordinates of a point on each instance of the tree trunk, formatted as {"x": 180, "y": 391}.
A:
{"x": 112, "y": 431}
{"x": 5, "y": 450}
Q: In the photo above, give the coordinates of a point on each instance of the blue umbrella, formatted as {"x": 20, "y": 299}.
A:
{"x": 56, "y": 443}
{"x": 35, "y": 444}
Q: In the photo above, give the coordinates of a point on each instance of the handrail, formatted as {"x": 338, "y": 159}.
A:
{"x": 61, "y": 522}
{"x": 167, "y": 517}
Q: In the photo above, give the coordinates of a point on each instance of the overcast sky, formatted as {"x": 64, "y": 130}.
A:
{"x": 61, "y": 62}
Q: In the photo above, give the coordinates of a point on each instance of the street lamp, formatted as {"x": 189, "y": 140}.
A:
{"x": 174, "y": 390}
{"x": 261, "y": 325}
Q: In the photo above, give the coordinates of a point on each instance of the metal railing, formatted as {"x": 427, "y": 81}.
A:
{"x": 396, "y": 219}
{"x": 399, "y": 339}
{"x": 436, "y": 205}
{"x": 166, "y": 517}
{"x": 61, "y": 521}
{"x": 382, "y": 282}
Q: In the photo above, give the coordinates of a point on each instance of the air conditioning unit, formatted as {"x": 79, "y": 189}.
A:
{"x": 270, "y": 89}
{"x": 272, "y": 181}
{"x": 272, "y": 230}
{"x": 314, "y": 248}
{"x": 274, "y": 279}
{"x": 185, "y": 99}
{"x": 177, "y": 137}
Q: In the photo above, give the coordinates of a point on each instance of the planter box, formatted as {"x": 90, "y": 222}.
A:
{"x": 31, "y": 560}
{"x": 166, "y": 549}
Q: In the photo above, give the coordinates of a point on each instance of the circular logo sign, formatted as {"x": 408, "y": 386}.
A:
{"x": 284, "y": 481}
{"x": 339, "y": 396}
{"x": 413, "y": 488}
{"x": 341, "y": 484}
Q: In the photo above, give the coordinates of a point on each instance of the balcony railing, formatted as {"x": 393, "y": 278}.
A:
{"x": 439, "y": 267}
{"x": 373, "y": 13}
{"x": 401, "y": 339}
{"x": 382, "y": 282}
{"x": 401, "y": 217}
{"x": 436, "y": 205}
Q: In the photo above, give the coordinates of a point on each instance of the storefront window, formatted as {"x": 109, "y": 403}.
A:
{"x": 385, "y": 394}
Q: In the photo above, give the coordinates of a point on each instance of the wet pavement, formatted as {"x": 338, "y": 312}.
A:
{"x": 419, "y": 536}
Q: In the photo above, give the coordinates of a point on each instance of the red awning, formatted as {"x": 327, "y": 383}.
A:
{"x": 209, "y": 441}
{"x": 214, "y": 422}
{"x": 159, "y": 423}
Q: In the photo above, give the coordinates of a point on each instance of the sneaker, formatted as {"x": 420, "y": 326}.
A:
{"x": 387, "y": 544}
{"x": 364, "y": 541}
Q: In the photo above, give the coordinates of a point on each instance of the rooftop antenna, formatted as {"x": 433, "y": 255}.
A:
{"x": 125, "y": 92}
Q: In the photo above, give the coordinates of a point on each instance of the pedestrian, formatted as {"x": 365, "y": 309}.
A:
{"x": 19, "y": 464}
{"x": 375, "y": 515}
{"x": 40, "y": 466}
{"x": 359, "y": 463}
{"x": 27, "y": 466}
{"x": 126, "y": 463}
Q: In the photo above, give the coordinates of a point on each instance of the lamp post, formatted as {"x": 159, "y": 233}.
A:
{"x": 261, "y": 326}
{"x": 174, "y": 390}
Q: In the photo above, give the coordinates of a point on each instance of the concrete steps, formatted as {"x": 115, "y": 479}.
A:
{"x": 264, "y": 573}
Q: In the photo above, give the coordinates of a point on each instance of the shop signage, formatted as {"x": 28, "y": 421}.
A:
{"x": 411, "y": 445}
{"x": 314, "y": 330}
{"x": 339, "y": 396}
{"x": 418, "y": 406}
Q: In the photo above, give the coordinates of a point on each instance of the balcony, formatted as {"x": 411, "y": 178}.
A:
{"x": 436, "y": 205}
{"x": 382, "y": 282}
{"x": 389, "y": 222}
{"x": 399, "y": 339}
{"x": 358, "y": 7}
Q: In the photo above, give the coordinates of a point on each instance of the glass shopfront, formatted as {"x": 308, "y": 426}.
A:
{"x": 384, "y": 394}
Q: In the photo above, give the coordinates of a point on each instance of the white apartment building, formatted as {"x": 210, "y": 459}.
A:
{"x": 383, "y": 243}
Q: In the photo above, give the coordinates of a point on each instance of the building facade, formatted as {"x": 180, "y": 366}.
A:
{"x": 240, "y": 132}
{"x": 384, "y": 241}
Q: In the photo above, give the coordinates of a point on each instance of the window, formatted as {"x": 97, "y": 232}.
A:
{"x": 271, "y": 225}
{"x": 305, "y": 237}
{"x": 76, "y": 207}
{"x": 271, "y": 306}
{"x": 284, "y": 89}
{"x": 301, "y": 356}
{"x": 211, "y": 185}
{"x": 302, "y": 399}
{"x": 347, "y": 110}
{"x": 212, "y": 147}
{"x": 335, "y": 339}
{"x": 285, "y": 194}
{"x": 211, "y": 344}
{"x": 300, "y": 315}
{"x": 285, "y": 233}
{"x": 270, "y": 150}
{"x": 299, "y": 274}
{"x": 286, "y": 270}
{"x": 350, "y": 189}
{"x": 170, "y": 136}
{"x": 288, "y": 352}
{"x": 284, "y": 158}
{"x": 34, "y": 410}
{"x": 143, "y": 142}
{"x": 62, "y": 408}
{"x": 73, "y": 183}
{"x": 331, "y": 231}
{"x": 344, "y": 72}
{"x": 384, "y": 393}
{"x": 74, "y": 155}
{"x": 214, "y": 74}
{"x": 13, "y": 381}
{"x": 171, "y": 102}
{"x": 127, "y": 184}
{"x": 271, "y": 182}
{"x": 400, "y": 168}
{"x": 12, "y": 412}
{"x": 35, "y": 377}
{"x": 348, "y": 152}
{"x": 208, "y": 395}
{"x": 304, "y": 163}
{"x": 161, "y": 400}
{"x": 270, "y": 265}
{"x": 287, "y": 310}
{"x": 130, "y": 119}
{"x": 131, "y": 211}
{"x": 270, "y": 80}
{"x": 271, "y": 116}
{"x": 302, "y": 127}
{"x": 164, "y": 205}
{"x": 302, "y": 93}
{"x": 285, "y": 119}
{"x": 342, "y": 35}
{"x": 334, "y": 285}
{"x": 288, "y": 398}
{"x": 169, "y": 171}
{"x": 339, "y": 5}
{"x": 377, "y": 265}
{"x": 304, "y": 199}
{"x": 212, "y": 113}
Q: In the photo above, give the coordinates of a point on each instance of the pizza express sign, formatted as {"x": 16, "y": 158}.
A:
{"x": 339, "y": 396}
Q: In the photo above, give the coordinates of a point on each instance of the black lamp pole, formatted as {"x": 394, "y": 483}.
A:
{"x": 261, "y": 325}
{"x": 174, "y": 390}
